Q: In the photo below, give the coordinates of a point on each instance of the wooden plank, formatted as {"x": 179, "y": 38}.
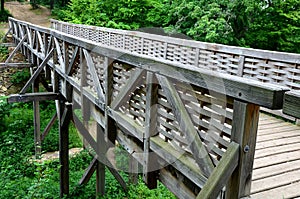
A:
{"x": 94, "y": 74}
{"x": 276, "y": 159}
{"x": 274, "y": 143}
{"x": 273, "y": 126}
{"x": 278, "y": 113}
{"x": 244, "y": 131}
{"x": 150, "y": 165}
{"x": 277, "y": 150}
{"x": 27, "y": 97}
{"x": 131, "y": 85}
{"x": 288, "y": 191}
{"x": 200, "y": 153}
{"x": 275, "y": 181}
{"x": 37, "y": 72}
{"x": 277, "y": 169}
{"x": 219, "y": 177}
{"x": 286, "y": 127}
{"x": 281, "y": 135}
{"x": 291, "y": 104}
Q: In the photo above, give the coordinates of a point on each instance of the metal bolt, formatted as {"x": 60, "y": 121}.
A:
{"x": 246, "y": 149}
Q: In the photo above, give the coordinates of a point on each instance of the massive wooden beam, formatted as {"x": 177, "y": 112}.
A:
{"x": 15, "y": 65}
{"x": 291, "y": 104}
{"x": 150, "y": 160}
{"x": 28, "y": 97}
{"x": 65, "y": 118}
{"x": 244, "y": 132}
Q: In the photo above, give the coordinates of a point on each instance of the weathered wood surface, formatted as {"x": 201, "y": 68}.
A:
{"x": 277, "y": 160}
{"x": 184, "y": 114}
{"x": 28, "y": 97}
{"x": 265, "y": 66}
{"x": 292, "y": 104}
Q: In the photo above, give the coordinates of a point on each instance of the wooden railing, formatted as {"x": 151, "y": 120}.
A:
{"x": 265, "y": 66}
{"x": 191, "y": 128}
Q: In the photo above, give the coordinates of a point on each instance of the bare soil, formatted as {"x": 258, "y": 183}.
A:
{"x": 24, "y": 12}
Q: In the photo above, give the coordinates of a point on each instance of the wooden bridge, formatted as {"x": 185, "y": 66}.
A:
{"x": 186, "y": 111}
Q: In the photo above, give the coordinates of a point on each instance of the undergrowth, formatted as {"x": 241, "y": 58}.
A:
{"x": 22, "y": 177}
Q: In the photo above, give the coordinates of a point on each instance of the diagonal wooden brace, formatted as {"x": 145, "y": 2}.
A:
{"x": 37, "y": 72}
{"x": 16, "y": 49}
{"x": 200, "y": 153}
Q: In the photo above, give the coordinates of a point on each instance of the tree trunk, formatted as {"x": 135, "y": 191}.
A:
{"x": 51, "y": 4}
{"x": 2, "y": 5}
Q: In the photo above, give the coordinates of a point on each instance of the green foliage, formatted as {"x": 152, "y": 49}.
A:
{"x": 3, "y": 52}
{"x": 4, "y": 111}
{"x": 20, "y": 76}
{"x": 275, "y": 26}
{"x": 122, "y": 14}
{"x": 4, "y": 15}
{"x": 271, "y": 25}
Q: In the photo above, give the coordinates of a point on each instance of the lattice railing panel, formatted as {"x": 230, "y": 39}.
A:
{"x": 211, "y": 116}
{"x": 265, "y": 70}
{"x": 121, "y": 74}
{"x": 278, "y": 68}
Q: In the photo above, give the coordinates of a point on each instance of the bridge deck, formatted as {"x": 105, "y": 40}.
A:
{"x": 276, "y": 171}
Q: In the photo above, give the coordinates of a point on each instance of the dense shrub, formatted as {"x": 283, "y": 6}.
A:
{"x": 4, "y": 15}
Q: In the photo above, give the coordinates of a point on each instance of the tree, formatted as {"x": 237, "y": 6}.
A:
{"x": 276, "y": 26}
{"x": 2, "y": 6}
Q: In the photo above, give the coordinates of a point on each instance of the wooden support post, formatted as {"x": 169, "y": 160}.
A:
{"x": 64, "y": 121}
{"x": 110, "y": 128}
{"x": 149, "y": 174}
{"x": 244, "y": 132}
{"x": 83, "y": 83}
{"x": 37, "y": 123}
{"x": 100, "y": 167}
{"x": 133, "y": 170}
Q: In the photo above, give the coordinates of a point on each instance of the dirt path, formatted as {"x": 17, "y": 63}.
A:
{"x": 23, "y": 11}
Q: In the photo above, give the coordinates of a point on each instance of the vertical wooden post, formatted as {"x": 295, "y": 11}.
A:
{"x": 36, "y": 119}
{"x": 65, "y": 109}
{"x": 133, "y": 170}
{"x": 100, "y": 169}
{"x": 110, "y": 128}
{"x": 244, "y": 132}
{"x": 149, "y": 173}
